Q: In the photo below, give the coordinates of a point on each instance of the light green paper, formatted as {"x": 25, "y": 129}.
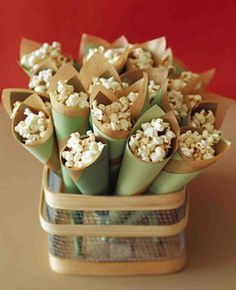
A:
{"x": 65, "y": 125}
{"x": 42, "y": 151}
{"x": 157, "y": 100}
{"x": 116, "y": 146}
{"x": 69, "y": 185}
{"x": 168, "y": 182}
{"x": 94, "y": 179}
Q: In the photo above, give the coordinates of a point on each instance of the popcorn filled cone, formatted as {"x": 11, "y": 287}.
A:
{"x": 97, "y": 67}
{"x": 152, "y": 53}
{"x": 68, "y": 119}
{"x": 12, "y": 98}
{"x": 136, "y": 175}
{"x": 156, "y": 79}
{"x": 116, "y": 52}
{"x": 180, "y": 170}
{"x": 217, "y": 109}
{"x": 117, "y": 138}
{"x": 45, "y": 148}
{"x": 32, "y": 64}
{"x": 92, "y": 178}
{"x": 182, "y": 93}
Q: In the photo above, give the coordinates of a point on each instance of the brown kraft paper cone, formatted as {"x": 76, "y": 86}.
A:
{"x": 10, "y": 96}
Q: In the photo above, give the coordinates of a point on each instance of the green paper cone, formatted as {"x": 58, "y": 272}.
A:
{"x": 179, "y": 171}
{"x": 136, "y": 175}
{"x": 94, "y": 179}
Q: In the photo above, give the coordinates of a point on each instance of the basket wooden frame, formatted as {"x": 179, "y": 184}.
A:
{"x": 67, "y": 201}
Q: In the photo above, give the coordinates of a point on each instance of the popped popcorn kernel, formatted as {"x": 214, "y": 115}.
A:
{"x": 16, "y": 106}
{"x": 152, "y": 142}
{"x": 140, "y": 58}
{"x": 81, "y": 152}
{"x": 53, "y": 52}
{"x": 109, "y": 84}
{"x": 187, "y": 76}
{"x": 193, "y": 100}
{"x": 111, "y": 55}
{"x": 153, "y": 88}
{"x": 199, "y": 146}
{"x": 33, "y": 128}
{"x": 66, "y": 95}
{"x": 40, "y": 82}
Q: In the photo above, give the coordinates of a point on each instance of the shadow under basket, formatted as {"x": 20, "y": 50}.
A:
{"x": 113, "y": 235}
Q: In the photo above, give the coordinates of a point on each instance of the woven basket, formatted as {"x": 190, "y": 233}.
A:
{"x": 113, "y": 235}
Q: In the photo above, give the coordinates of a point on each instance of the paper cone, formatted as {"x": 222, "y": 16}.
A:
{"x": 158, "y": 75}
{"x": 141, "y": 104}
{"x": 46, "y": 148}
{"x": 117, "y": 139}
{"x": 198, "y": 85}
{"x": 10, "y": 96}
{"x": 89, "y": 41}
{"x": 68, "y": 119}
{"x": 46, "y": 64}
{"x": 27, "y": 46}
{"x": 94, "y": 179}
{"x": 97, "y": 66}
{"x": 136, "y": 175}
{"x": 161, "y": 55}
{"x": 179, "y": 171}
{"x": 218, "y": 110}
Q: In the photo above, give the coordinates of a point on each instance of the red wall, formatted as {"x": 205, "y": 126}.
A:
{"x": 201, "y": 33}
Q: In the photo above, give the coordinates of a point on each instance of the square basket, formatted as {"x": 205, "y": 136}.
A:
{"x": 113, "y": 235}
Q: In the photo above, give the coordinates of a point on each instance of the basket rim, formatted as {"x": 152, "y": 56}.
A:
{"x": 76, "y": 267}
{"x": 72, "y": 201}
{"x": 110, "y": 230}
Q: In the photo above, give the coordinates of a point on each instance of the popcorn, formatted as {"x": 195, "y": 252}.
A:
{"x": 66, "y": 95}
{"x": 187, "y": 76}
{"x": 153, "y": 88}
{"x": 140, "y": 58}
{"x": 40, "y": 82}
{"x": 176, "y": 100}
{"x": 198, "y": 146}
{"x": 16, "y": 106}
{"x": 152, "y": 142}
{"x": 182, "y": 81}
{"x": 33, "y": 128}
{"x": 109, "y": 84}
{"x": 80, "y": 152}
{"x": 204, "y": 119}
{"x": 176, "y": 84}
{"x": 111, "y": 56}
{"x": 132, "y": 96}
{"x": 193, "y": 99}
{"x": 116, "y": 116}
{"x": 32, "y": 60}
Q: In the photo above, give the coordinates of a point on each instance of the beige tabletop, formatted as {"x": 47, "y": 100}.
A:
{"x": 211, "y": 232}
